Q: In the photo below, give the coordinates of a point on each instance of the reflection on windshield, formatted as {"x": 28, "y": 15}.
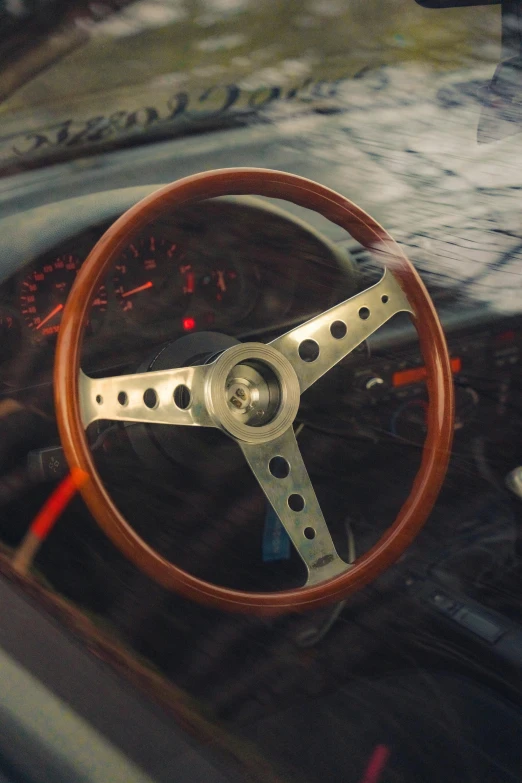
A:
{"x": 175, "y": 67}
{"x": 413, "y": 115}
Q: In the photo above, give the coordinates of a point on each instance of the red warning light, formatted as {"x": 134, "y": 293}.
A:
{"x": 189, "y": 324}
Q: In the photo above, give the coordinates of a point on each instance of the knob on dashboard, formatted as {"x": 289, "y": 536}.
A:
{"x": 374, "y": 382}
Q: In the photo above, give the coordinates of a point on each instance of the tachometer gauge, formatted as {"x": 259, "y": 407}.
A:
{"x": 45, "y": 290}
{"x": 151, "y": 280}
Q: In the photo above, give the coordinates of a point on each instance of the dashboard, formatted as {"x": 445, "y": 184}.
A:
{"x": 248, "y": 269}
{"x": 233, "y": 266}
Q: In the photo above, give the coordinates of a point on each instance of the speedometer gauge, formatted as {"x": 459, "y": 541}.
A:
{"x": 45, "y": 290}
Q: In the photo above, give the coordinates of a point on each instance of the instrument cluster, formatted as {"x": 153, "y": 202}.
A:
{"x": 213, "y": 267}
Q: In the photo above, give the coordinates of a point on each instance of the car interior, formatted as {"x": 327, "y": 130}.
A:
{"x": 413, "y": 674}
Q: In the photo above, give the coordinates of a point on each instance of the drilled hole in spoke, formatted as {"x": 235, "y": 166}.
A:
{"x": 99, "y": 399}
{"x": 296, "y": 502}
{"x": 150, "y": 398}
{"x": 308, "y": 350}
{"x": 384, "y": 298}
{"x": 364, "y": 313}
{"x": 338, "y": 330}
{"x": 279, "y": 467}
{"x": 182, "y": 396}
{"x": 309, "y": 533}
{"x": 123, "y": 398}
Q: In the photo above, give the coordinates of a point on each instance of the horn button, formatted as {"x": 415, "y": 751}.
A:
{"x": 253, "y": 392}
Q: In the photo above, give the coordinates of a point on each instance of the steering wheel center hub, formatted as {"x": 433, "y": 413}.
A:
{"x": 248, "y": 394}
{"x": 253, "y": 392}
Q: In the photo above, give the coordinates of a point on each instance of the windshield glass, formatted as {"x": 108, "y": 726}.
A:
{"x": 125, "y": 72}
{"x": 260, "y": 477}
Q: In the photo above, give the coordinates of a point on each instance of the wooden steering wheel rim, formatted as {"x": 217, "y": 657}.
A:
{"x": 440, "y": 417}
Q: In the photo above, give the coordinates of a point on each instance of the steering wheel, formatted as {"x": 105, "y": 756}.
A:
{"x": 251, "y": 391}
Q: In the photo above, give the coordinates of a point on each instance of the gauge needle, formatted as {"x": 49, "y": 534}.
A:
{"x": 188, "y": 279}
{"x": 56, "y": 310}
{"x": 221, "y": 281}
{"x": 143, "y": 287}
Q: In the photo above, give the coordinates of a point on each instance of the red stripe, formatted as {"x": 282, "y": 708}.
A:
{"x": 54, "y": 506}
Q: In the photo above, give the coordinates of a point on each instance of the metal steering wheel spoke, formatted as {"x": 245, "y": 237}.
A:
{"x": 316, "y": 346}
{"x": 163, "y": 397}
{"x": 279, "y": 468}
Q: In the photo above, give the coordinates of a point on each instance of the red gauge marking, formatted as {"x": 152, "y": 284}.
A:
{"x": 190, "y": 283}
{"x": 188, "y": 279}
